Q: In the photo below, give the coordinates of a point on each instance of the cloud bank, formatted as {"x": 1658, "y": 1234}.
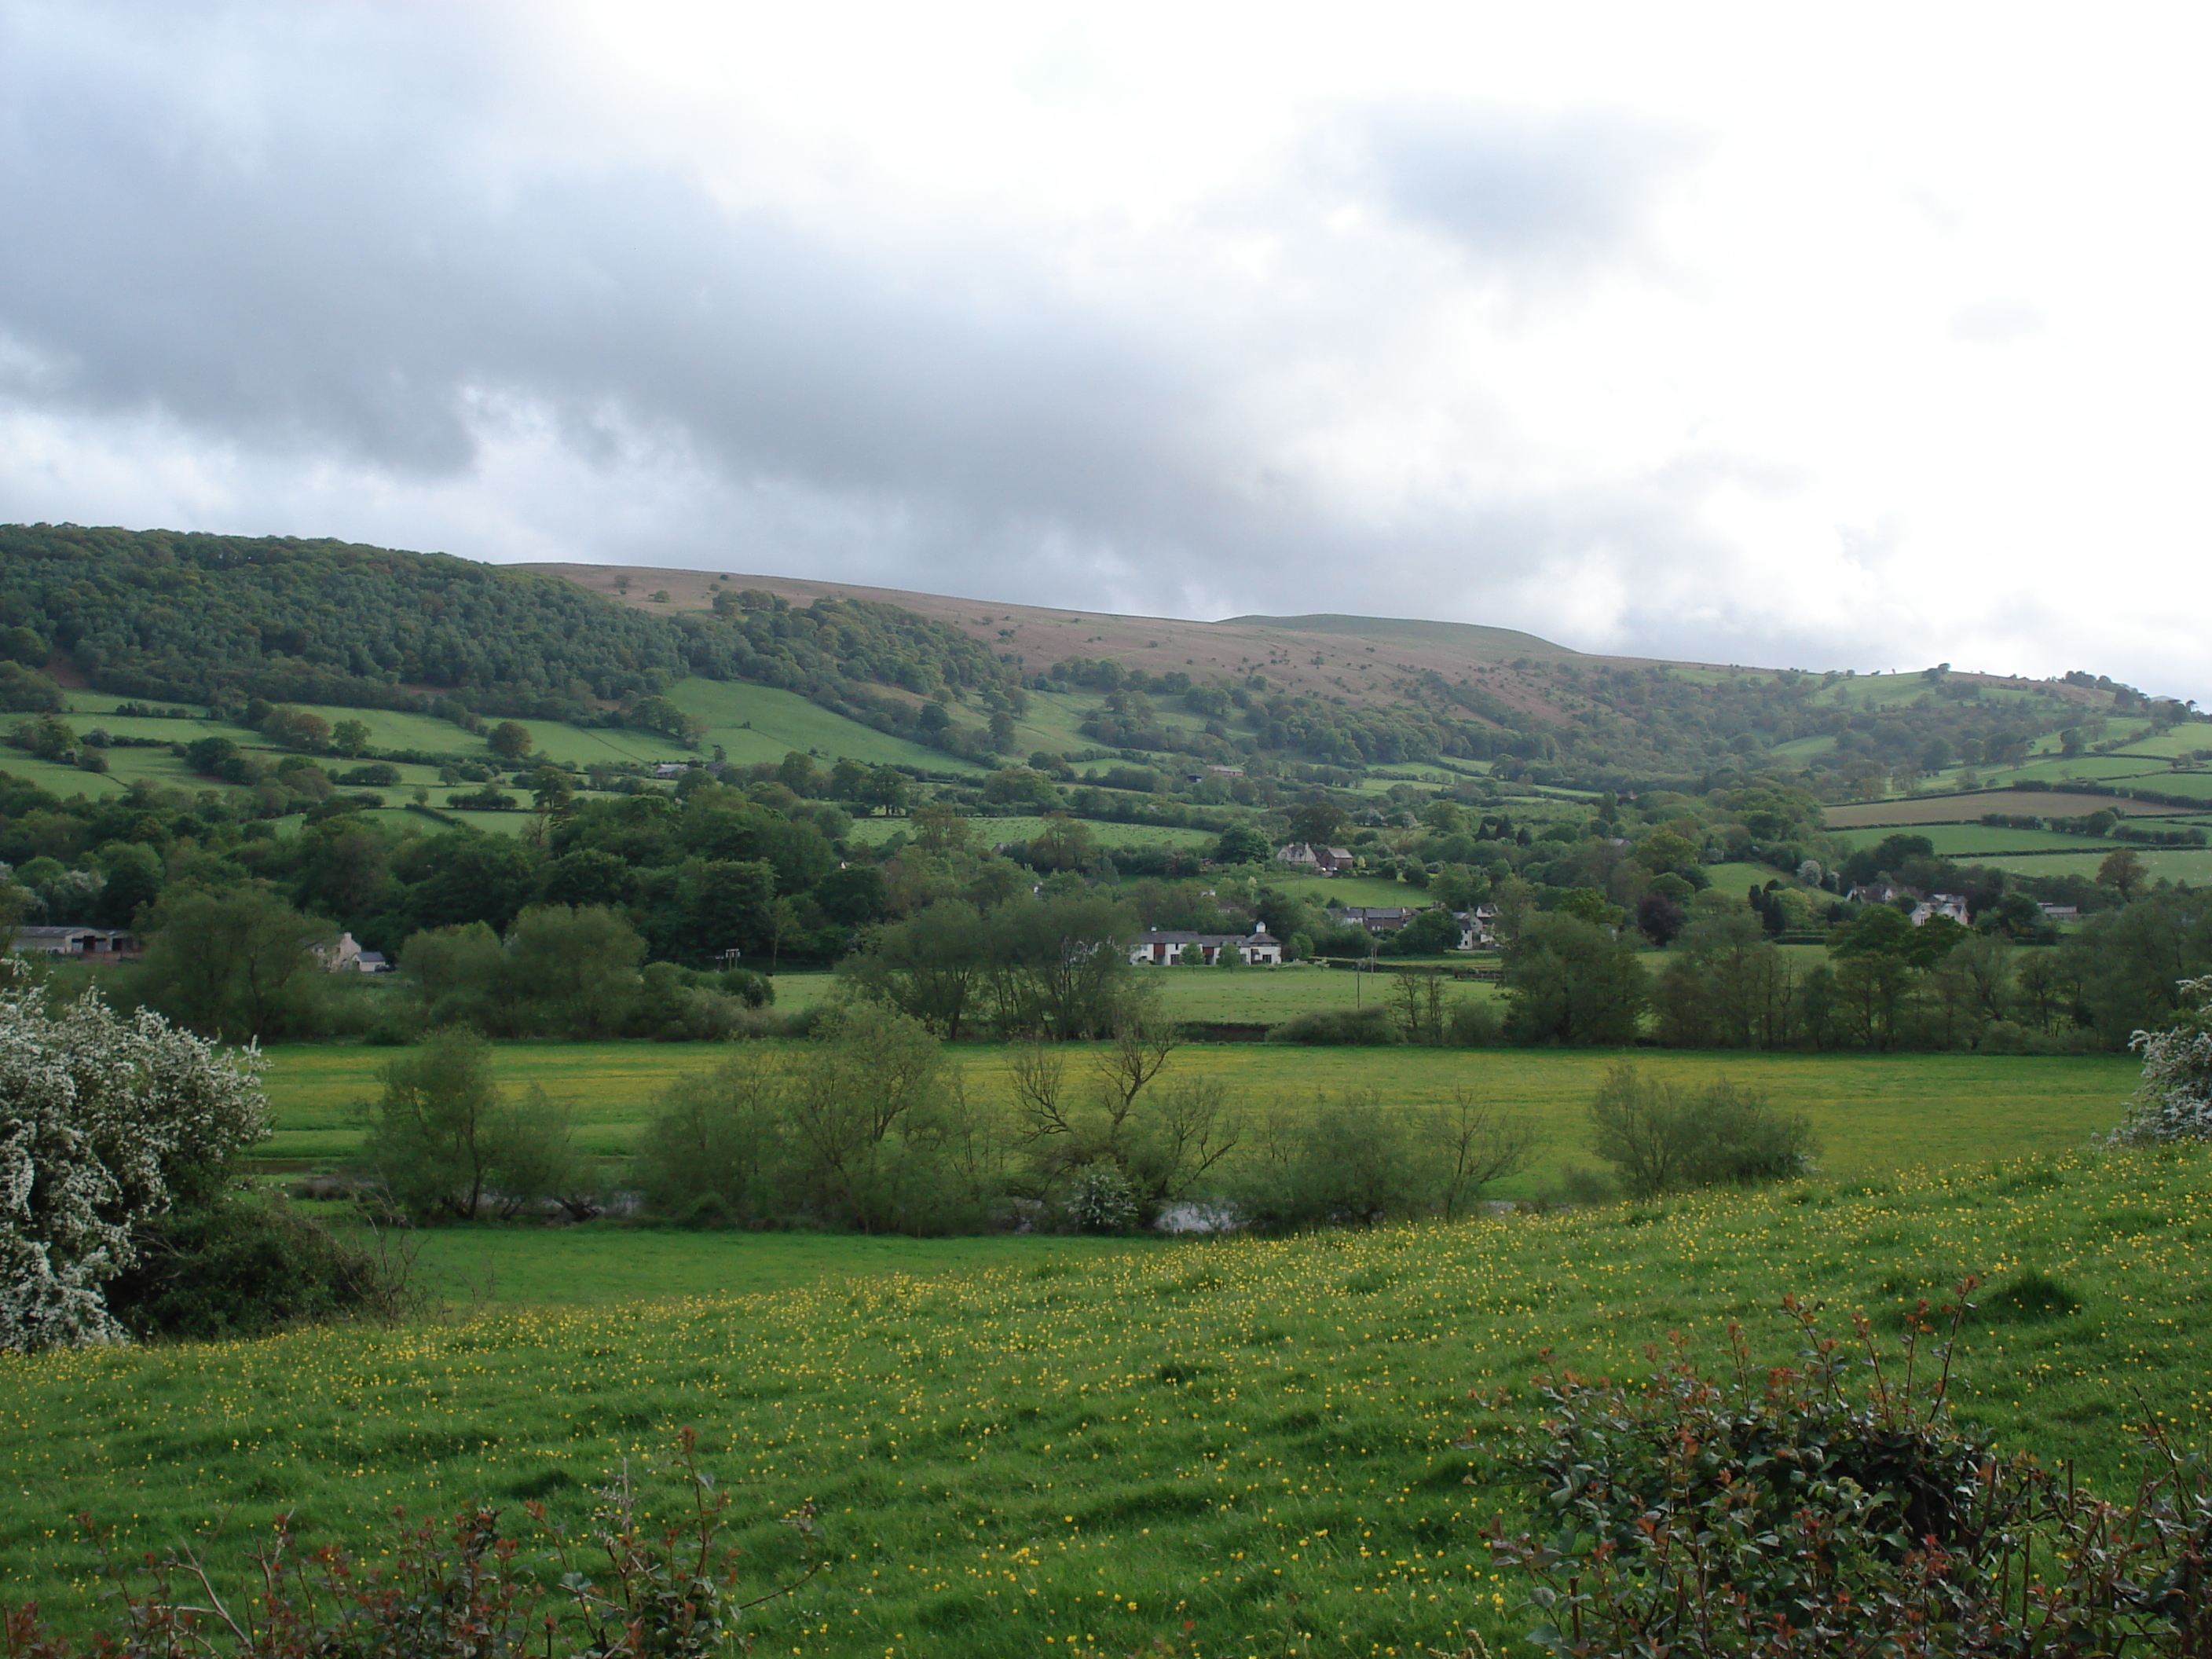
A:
{"x": 1121, "y": 312}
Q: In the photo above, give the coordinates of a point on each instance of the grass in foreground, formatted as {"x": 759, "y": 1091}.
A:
{"x": 1243, "y": 1444}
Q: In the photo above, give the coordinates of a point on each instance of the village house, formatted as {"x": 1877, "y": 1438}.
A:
{"x": 1258, "y": 948}
{"x": 1321, "y": 860}
{"x": 78, "y": 943}
{"x": 1378, "y": 919}
{"x": 347, "y": 957}
{"x": 1952, "y": 905}
{"x": 1474, "y": 927}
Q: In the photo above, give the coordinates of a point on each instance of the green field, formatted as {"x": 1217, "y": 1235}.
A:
{"x": 1360, "y": 891}
{"x": 2165, "y": 745}
{"x": 760, "y": 722}
{"x": 992, "y": 832}
{"x": 1957, "y": 841}
{"x": 1873, "y": 1112}
{"x": 2192, "y": 865}
{"x": 1235, "y": 1447}
{"x": 1917, "y": 810}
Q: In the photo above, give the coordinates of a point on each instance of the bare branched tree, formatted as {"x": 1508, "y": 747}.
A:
{"x": 1477, "y": 1143}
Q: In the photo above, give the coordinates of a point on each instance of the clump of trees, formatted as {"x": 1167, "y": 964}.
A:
{"x": 446, "y": 1142}
{"x": 1057, "y": 966}
{"x": 866, "y": 1126}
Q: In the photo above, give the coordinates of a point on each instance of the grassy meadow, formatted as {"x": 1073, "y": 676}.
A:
{"x": 1237, "y": 1447}
{"x": 991, "y": 832}
{"x": 1875, "y": 1113}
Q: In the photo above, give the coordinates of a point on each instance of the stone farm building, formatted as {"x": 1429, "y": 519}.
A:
{"x": 78, "y": 943}
{"x": 1321, "y": 860}
{"x": 1256, "y": 948}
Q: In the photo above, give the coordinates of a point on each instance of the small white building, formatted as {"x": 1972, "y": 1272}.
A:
{"x": 1156, "y": 948}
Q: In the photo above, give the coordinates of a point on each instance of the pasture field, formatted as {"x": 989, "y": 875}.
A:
{"x": 2165, "y": 745}
{"x": 1917, "y": 810}
{"x": 1875, "y": 1113}
{"x": 990, "y": 832}
{"x": 2191, "y": 864}
{"x": 765, "y": 723}
{"x": 1223, "y": 1447}
{"x": 1364, "y": 890}
{"x": 1235, "y": 996}
{"x": 1956, "y": 840}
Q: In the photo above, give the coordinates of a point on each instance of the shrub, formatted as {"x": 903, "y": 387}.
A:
{"x": 1100, "y": 1200}
{"x": 1779, "y": 1512}
{"x": 1347, "y": 1162}
{"x": 247, "y": 1266}
{"x": 1472, "y": 1023}
{"x": 708, "y": 1157}
{"x": 1368, "y": 1027}
{"x": 1661, "y": 1139}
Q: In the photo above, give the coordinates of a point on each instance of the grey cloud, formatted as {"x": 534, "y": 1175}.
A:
{"x": 309, "y": 243}
{"x": 1566, "y": 190}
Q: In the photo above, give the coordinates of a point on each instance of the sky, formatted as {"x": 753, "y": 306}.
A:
{"x": 1869, "y": 337}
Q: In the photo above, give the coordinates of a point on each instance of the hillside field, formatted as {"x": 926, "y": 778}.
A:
{"x": 1917, "y": 809}
{"x": 1979, "y": 842}
{"x": 992, "y": 832}
{"x": 1230, "y": 1447}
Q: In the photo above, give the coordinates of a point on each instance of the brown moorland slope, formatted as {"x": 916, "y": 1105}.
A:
{"x": 1363, "y": 659}
{"x": 1366, "y": 659}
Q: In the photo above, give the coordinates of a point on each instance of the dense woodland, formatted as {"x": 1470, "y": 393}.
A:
{"x": 216, "y": 620}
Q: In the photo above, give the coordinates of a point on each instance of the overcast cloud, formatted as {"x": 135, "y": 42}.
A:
{"x": 1724, "y": 334}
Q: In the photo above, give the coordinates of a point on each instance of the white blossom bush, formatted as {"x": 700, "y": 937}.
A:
{"x": 1100, "y": 1199}
{"x": 104, "y": 1121}
{"x": 2175, "y": 1101}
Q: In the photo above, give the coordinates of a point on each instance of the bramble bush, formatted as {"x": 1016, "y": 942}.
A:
{"x": 1779, "y": 1513}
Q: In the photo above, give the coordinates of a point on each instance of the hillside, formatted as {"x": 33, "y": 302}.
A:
{"x": 221, "y": 621}
{"x": 1482, "y": 694}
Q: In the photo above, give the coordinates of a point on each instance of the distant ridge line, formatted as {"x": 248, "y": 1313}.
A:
{"x": 1409, "y": 628}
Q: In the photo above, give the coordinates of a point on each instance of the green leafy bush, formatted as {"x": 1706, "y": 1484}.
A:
{"x": 1660, "y": 1138}
{"x": 247, "y": 1266}
{"x": 1368, "y": 1027}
